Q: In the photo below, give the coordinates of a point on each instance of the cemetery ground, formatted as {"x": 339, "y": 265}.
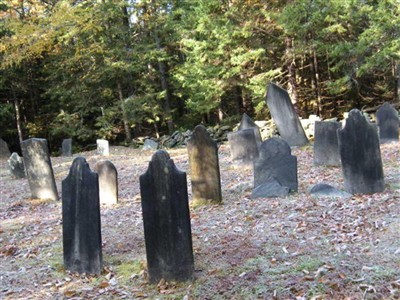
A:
{"x": 296, "y": 247}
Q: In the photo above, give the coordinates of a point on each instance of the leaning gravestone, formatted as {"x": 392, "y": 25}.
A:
{"x": 81, "y": 219}
{"x": 284, "y": 116}
{"x": 248, "y": 123}
{"x": 4, "y": 151}
{"x": 243, "y": 145}
{"x": 16, "y": 166}
{"x": 103, "y": 147}
{"x": 275, "y": 163}
{"x": 66, "y": 147}
{"x": 166, "y": 220}
{"x": 360, "y": 155}
{"x": 326, "y": 146}
{"x": 204, "y": 167}
{"x": 38, "y": 169}
{"x": 388, "y": 123}
{"x": 108, "y": 181}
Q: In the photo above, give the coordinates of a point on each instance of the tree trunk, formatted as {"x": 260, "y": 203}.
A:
{"x": 125, "y": 119}
{"x": 316, "y": 81}
{"x": 18, "y": 119}
{"x": 291, "y": 67}
{"x": 398, "y": 81}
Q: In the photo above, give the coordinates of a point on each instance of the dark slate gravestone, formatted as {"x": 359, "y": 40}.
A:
{"x": 271, "y": 188}
{"x": 4, "y": 151}
{"x": 66, "y": 147}
{"x": 16, "y": 166}
{"x": 326, "y": 146}
{"x": 103, "y": 147}
{"x": 81, "y": 219}
{"x": 247, "y": 123}
{"x": 166, "y": 220}
{"x": 204, "y": 167}
{"x": 388, "y": 123}
{"x": 243, "y": 145}
{"x": 108, "y": 181}
{"x": 38, "y": 169}
{"x": 360, "y": 156}
{"x": 284, "y": 116}
{"x": 276, "y": 163}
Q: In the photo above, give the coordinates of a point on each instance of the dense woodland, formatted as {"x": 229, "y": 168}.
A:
{"x": 125, "y": 68}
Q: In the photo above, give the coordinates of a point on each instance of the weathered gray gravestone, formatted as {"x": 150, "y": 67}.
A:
{"x": 66, "y": 147}
{"x": 16, "y": 166}
{"x": 388, "y": 123}
{"x": 243, "y": 145}
{"x": 248, "y": 123}
{"x": 4, "y": 151}
{"x": 360, "y": 155}
{"x": 284, "y": 116}
{"x": 166, "y": 220}
{"x": 149, "y": 144}
{"x": 38, "y": 169}
{"x": 326, "y": 146}
{"x": 103, "y": 147}
{"x": 276, "y": 163}
{"x": 204, "y": 167}
{"x": 108, "y": 181}
{"x": 81, "y": 219}
{"x": 325, "y": 190}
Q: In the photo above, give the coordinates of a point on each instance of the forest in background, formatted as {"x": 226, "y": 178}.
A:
{"x": 121, "y": 69}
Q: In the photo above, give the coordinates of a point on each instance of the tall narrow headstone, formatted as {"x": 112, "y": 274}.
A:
{"x": 284, "y": 116}
{"x": 103, "y": 147}
{"x": 4, "y": 151}
{"x": 243, "y": 145}
{"x": 204, "y": 167}
{"x": 326, "y": 146}
{"x": 108, "y": 181}
{"x": 248, "y": 123}
{"x": 81, "y": 219}
{"x": 360, "y": 155}
{"x": 388, "y": 123}
{"x": 39, "y": 169}
{"x": 16, "y": 166}
{"x": 166, "y": 220}
{"x": 276, "y": 165}
{"x": 66, "y": 147}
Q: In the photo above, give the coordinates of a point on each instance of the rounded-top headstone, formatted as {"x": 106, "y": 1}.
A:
{"x": 388, "y": 123}
{"x": 16, "y": 166}
{"x": 274, "y": 147}
{"x": 108, "y": 181}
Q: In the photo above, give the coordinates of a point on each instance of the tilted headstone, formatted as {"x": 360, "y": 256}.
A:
{"x": 388, "y": 123}
{"x": 108, "y": 181}
{"x": 326, "y": 146}
{"x": 81, "y": 219}
{"x": 39, "y": 169}
{"x": 204, "y": 167}
{"x": 66, "y": 147}
{"x": 103, "y": 147}
{"x": 149, "y": 144}
{"x": 166, "y": 220}
{"x": 248, "y": 123}
{"x": 276, "y": 163}
{"x": 360, "y": 155}
{"x": 16, "y": 166}
{"x": 4, "y": 150}
{"x": 243, "y": 145}
{"x": 284, "y": 116}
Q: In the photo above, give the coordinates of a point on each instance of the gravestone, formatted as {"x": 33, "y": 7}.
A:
{"x": 108, "y": 181}
{"x": 16, "y": 166}
{"x": 284, "y": 116}
{"x": 248, "y": 123}
{"x": 38, "y": 169}
{"x": 149, "y": 144}
{"x": 103, "y": 147}
{"x": 81, "y": 219}
{"x": 166, "y": 220}
{"x": 321, "y": 190}
{"x": 326, "y": 146}
{"x": 270, "y": 189}
{"x": 360, "y": 155}
{"x": 204, "y": 167}
{"x": 388, "y": 123}
{"x": 4, "y": 151}
{"x": 66, "y": 147}
{"x": 276, "y": 163}
{"x": 243, "y": 145}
